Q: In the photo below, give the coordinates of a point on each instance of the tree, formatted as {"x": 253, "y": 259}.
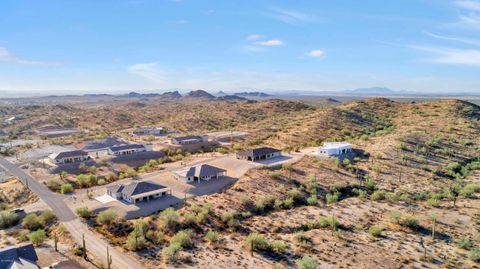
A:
{"x": 32, "y": 222}
{"x": 106, "y": 217}
{"x": 66, "y": 188}
{"x": 8, "y": 219}
{"x": 37, "y": 237}
{"x": 169, "y": 218}
{"x": 182, "y": 238}
{"x": 84, "y": 212}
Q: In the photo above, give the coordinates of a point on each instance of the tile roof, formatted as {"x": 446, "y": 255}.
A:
{"x": 135, "y": 188}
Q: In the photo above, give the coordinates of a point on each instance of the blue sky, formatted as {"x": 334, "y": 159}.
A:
{"x": 81, "y": 46}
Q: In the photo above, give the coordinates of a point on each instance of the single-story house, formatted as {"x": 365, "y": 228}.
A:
{"x": 258, "y": 154}
{"x": 199, "y": 172}
{"x": 73, "y": 156}
{"x": 138, "y": 191}
{"x": 191, "y": 139}
{"x": 20, "y": 257}
{"x": 126, "y": 149}
{"x": 335, "y": 148}
{"x": 150, "y": 131}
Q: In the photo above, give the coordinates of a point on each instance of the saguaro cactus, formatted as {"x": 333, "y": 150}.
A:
{"x": 109, "y": 259}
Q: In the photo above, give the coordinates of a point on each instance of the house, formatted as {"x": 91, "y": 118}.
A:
{"x": 73, "y": 156}
{"x": 138, "y": 191}
{"x": 150, "y": 131}
{"x": 258, "y": 154}
{"x": 126, "y": 149}
{"x": 335, "y": 148}
{"x": 199, "y": 172}
{"x": 187, "y": 140}
{"x": 20, "y": 257}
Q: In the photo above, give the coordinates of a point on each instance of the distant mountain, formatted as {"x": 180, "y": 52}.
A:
{"x": 372, "y": 90}
{"x": 253, "y": 94}
{"x": 220, "y": 94}
{"x": 173, "y": 95}
{"x": 200, "y": 94}
{"x": 231, "y": 98}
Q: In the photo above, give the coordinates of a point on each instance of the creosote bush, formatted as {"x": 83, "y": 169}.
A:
{"x": 307, "y": 263}
{"x": 257, "y": 242}
{"x": 106, "y": 217}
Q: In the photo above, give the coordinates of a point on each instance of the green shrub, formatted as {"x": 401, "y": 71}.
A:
{"x": 182, "y": 238}
{"x": 329, "y": 221}
{"x": 106, "y": 217}
{"x": 395, "y": 216}
{"x": 54, "y": 185}
{"x": 331, "y": 198}
{"x": 66, "y": 188}
{"x": 84, "y": 212}
{"x": 32, "y": 222}
{"x": 257, "y": 242}
{"x": 370, "y": 183}
{"x": 410, "y": 222}
{"x": 212, "y": 236}
{"x": 433, "y": 202}
{"x": 169, "y": 218}
{"x": 37, "y": 237}
{"x": 101, "y": 182}
{"x": 170, "y": 253}
{"x": 465, "y": 243}
{"x": 378, "y": 195}
{"x": 312, "y": 200}
{"x": 307, "y": 263}
{"x": 375, "y": 231}
{"x": 474, "y": 255}
{"x": 8, "y": 219}
{"x": 227, "y": 216}
{"x": 278, "y": 246}
{"x": 47, "y": 217}
{"x": 469, "y": 190}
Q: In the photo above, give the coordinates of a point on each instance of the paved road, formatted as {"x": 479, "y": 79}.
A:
{"x": 95, "y": 245}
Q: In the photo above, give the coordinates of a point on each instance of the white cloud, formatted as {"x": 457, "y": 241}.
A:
{"x": 444, "y": 55}
{"x": 469, "y": 41}
{"x": 254, "y": 37}
{"x": 468, "y": 4}
{"x": 316, "y": 53}
{"x": 149, "y": 71}
{"x": 178, "y": 22}
{"x": 7, "y": 56}
{"x": 270, "y": 43}
{"x": 291, "y": 16}
{"x": 472, "y": 20}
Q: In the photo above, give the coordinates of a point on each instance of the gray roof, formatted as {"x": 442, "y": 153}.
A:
{"x": 17, "y": 255}
{"x": 190, "y": 137}
{"x": 73, "y": 153}
{"x": 127, "y": 147}
{"x": 135, "y": 188}
{"x": 201, "y": 171}
{"x": 258, "y": 151}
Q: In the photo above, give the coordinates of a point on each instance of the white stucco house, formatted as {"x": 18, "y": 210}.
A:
{"x": 128, "y": 149}
{"x": 199, "y": 172}
{"x": 335, "y": 149}
{"x": 150, "y": 131}
{"x": 138, "y": 192}
{"x": 73, "y": 156}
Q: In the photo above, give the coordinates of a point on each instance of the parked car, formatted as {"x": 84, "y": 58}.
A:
{"x": 18, "y": 210}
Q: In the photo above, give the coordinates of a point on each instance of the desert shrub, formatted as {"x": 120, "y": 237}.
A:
{"x": 469, "y": 190}
{"x": 295, "y": 195}
{"x": 378, "y": 195}
{"x": 156, "y": 237}
{"x": 304, "y": 241}
{"x": 136, "y": 240}
{"x": 474, "y": 255}
{"x": 182, "y": 238}
{"x": 257, "y": 242}
{"x": 32, "y": 222}
{"x": 82, "y": 180}
{"x": 92, "y": 180}
{"x": 375, "y": 231}
{"x": 395, "y": 216}
{"x": 66, "y": 188}
{"x": 370, "y": 183}
{"x": 245, "y": 201}
{"x": 410, "y": 222}
{"x": 84, "y": 212}
{"x": 312, "y": 200}
{"x": 47, "y": 217}
{"x": 329, "y": 221}
{"x": 37, "y": 237}
{"x": 106, "y": 217}
{"x": 111, "y": 177}
{"x": 278, "y": 246}
{"x": 212, "y": 236}
{"x": 3, "y": 206}
{"x": 170, "y": 253}
{"x": 101, "y": 182}
{"x": 392, "y": 197}
{"x": 433, "y": 202}
{"x": 465, "y": 243}
{"x": 288, "y": 203}
{"x": 228, "y": 216}
{"x": 54, "y": 185}
{"x": 8, "y": 219}
{"x": 331, "y": 198}
{"x": 307, "y": 263}
{"x": 420, "y": 196}
{"x": 169, "y": 218}
{"x": 360, "y": 193}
